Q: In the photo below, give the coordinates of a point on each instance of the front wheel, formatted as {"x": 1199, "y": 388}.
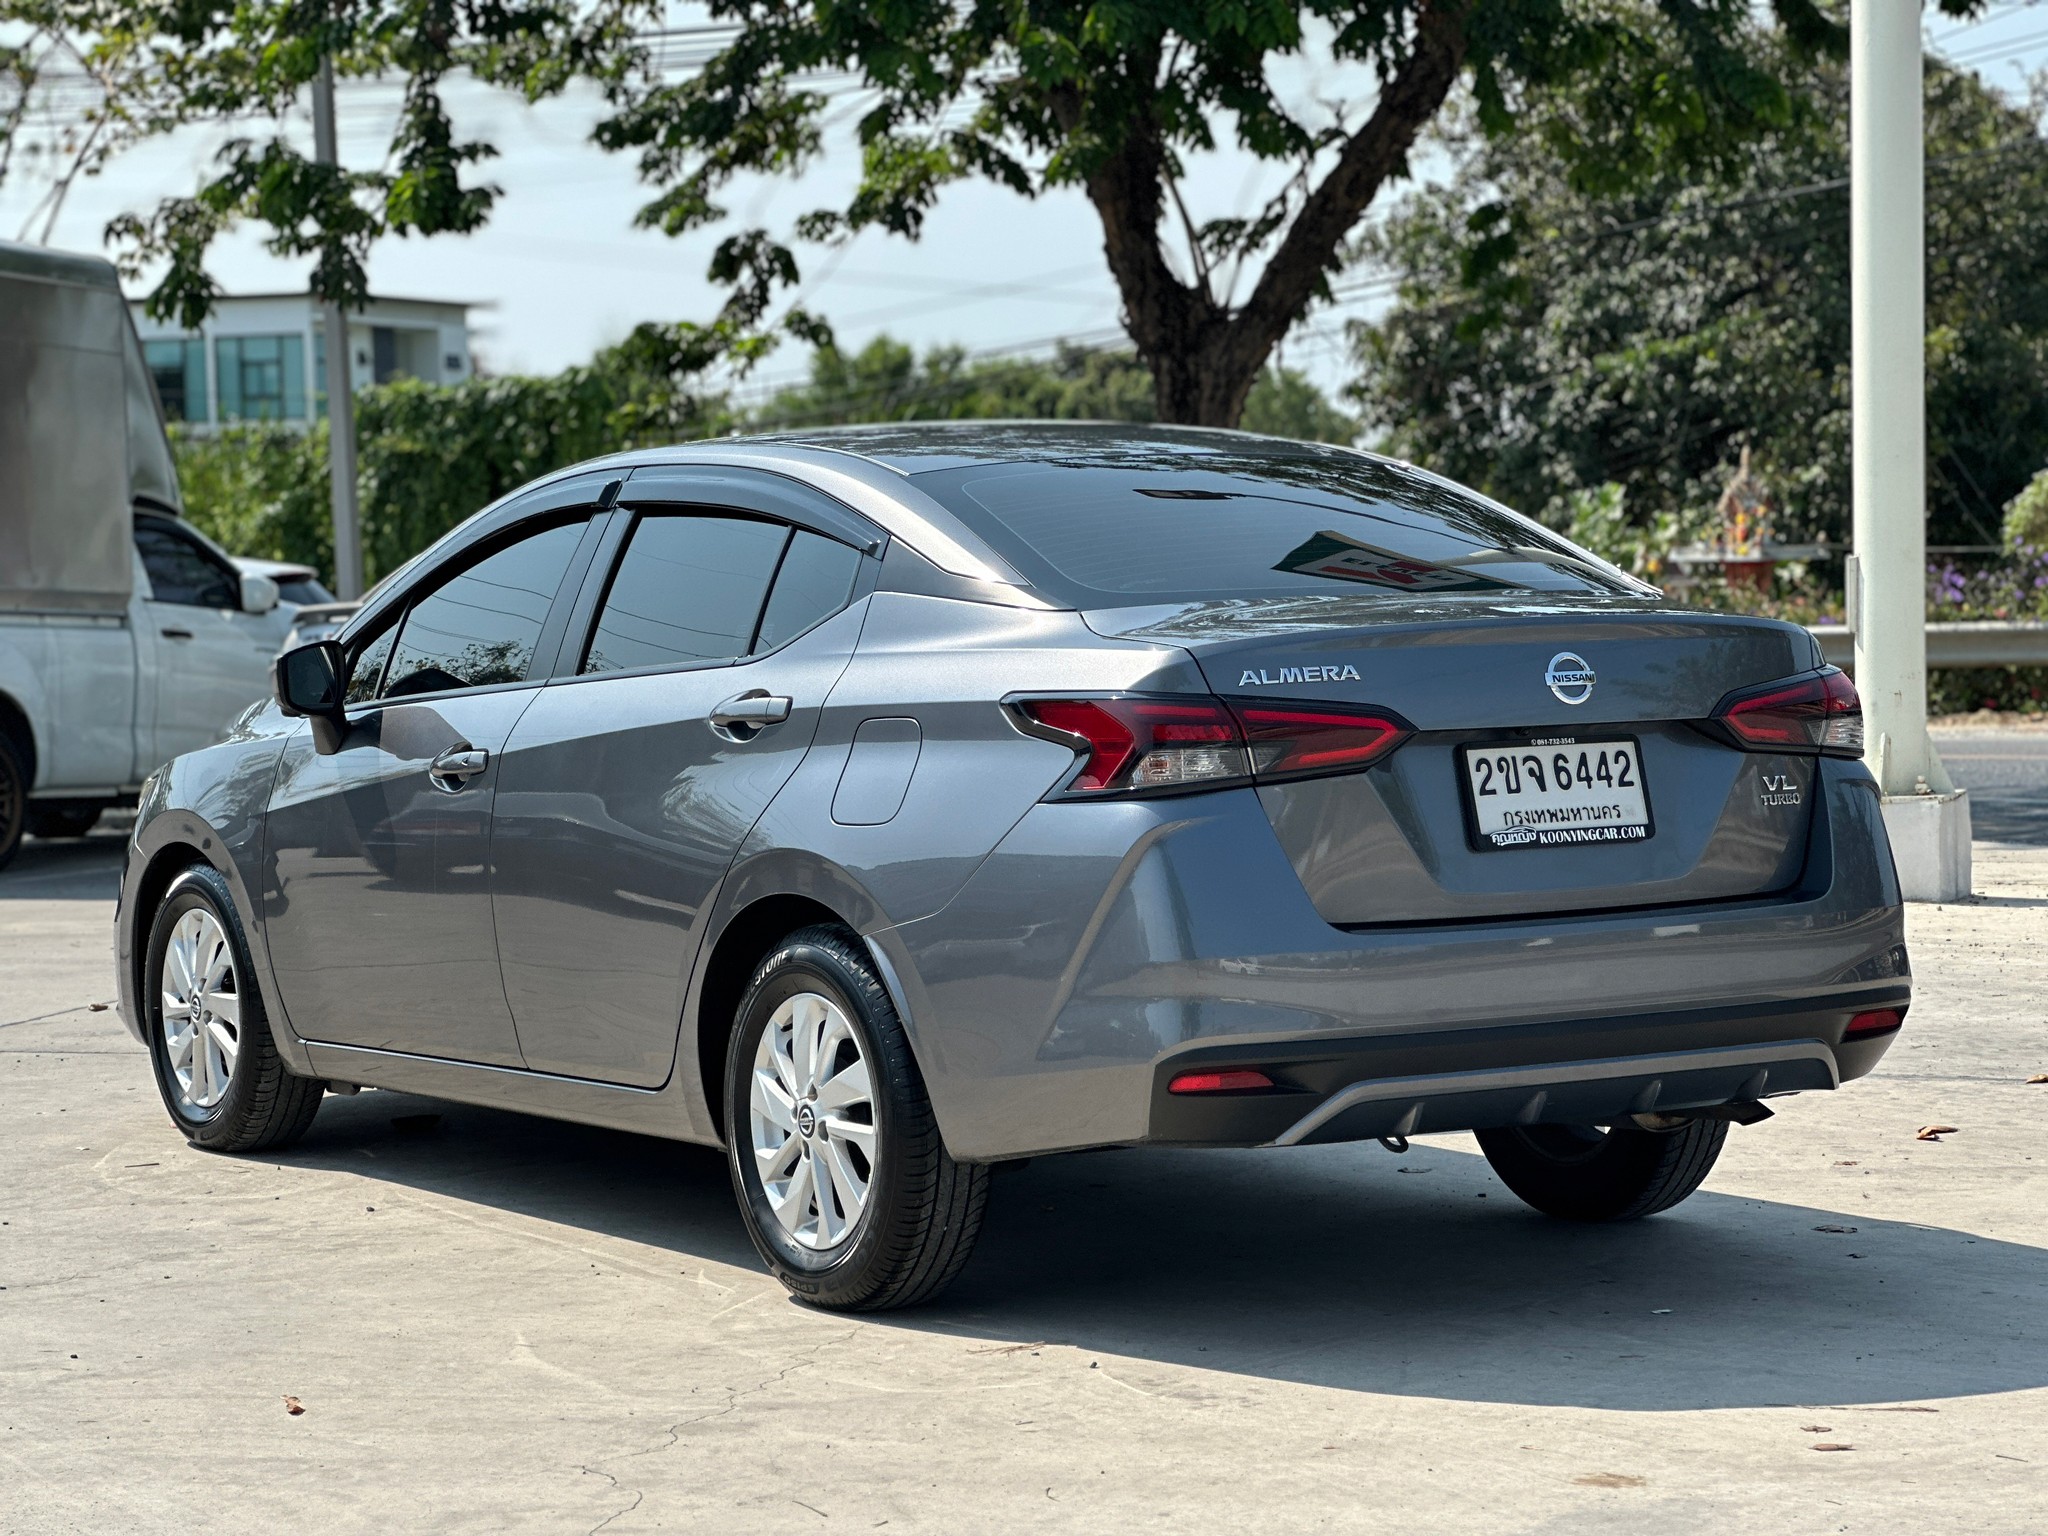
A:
{"x": 1582, "y": 1173}
{"x": 845, "y": 1185}
{"x": 209, "y": 1041}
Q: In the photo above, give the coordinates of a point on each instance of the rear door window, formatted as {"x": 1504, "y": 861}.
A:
{"x": 688, "y": 591}
{"x": 481, "y": 625}
{"x": 814, "y": 583}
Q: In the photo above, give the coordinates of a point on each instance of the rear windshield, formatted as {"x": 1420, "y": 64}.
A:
{"x": 1102, "y": 537}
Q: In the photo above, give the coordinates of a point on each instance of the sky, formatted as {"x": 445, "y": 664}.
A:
{"x": 560, "y": 270}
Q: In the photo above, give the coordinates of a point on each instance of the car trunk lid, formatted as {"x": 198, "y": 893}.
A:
{"x": 1401, "y": 842}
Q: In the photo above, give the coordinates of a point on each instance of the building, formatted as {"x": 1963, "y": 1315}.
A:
{"x": 263, "y": 356}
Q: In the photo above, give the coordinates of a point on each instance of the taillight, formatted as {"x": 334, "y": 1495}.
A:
{"x": 1815, "y": 712}
{"x": 1138, "y": 743}
{"x": 1157, "y": 743}
{"x": 1292, "y": 739}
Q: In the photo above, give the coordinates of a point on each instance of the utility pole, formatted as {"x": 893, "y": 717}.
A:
{"x": 341, "y": 400}
{"x": 1927, "y": 817}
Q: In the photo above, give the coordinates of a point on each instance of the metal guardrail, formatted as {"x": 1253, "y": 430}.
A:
{"x": 1988, "y": 643}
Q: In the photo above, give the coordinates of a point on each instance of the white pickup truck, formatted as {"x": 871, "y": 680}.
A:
{"x": 125, "y": 637}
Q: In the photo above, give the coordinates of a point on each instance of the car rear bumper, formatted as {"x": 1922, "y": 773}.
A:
{"x": 1104, "y": 947}
{"x": 1572, "y": 1072}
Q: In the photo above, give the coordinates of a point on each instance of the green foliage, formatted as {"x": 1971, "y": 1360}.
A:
{"x": 2026, "y": 516}
{"x": 1547, "y": 340}
{"x": 887, "y": 381}
{"x": 430, "y": 455}
{"x": 1598, "y": 519}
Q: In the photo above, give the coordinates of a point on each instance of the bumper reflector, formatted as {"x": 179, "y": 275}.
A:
{"x": 1218, "y": 1082}
{"x": 1878, "y": 1021}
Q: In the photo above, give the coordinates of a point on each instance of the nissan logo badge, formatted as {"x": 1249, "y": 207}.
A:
{"x": 1570, "y": 678}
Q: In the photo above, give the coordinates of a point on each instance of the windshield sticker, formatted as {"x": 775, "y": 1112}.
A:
{"x": 1333, "y": 555}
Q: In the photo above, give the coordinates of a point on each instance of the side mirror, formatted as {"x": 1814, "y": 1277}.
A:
{"x": 310, "y": 682}
{"x": 259, "y": 593}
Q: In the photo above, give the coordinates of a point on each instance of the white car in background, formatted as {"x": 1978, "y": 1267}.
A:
{"x": 126, "y": 636}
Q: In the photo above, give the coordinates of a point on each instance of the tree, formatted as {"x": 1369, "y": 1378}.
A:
{"x": 1110, "y": 98}
{"x": 1644, "y": 339}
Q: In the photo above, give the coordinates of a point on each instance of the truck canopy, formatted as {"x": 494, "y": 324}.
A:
{"x": 81, "y": 435}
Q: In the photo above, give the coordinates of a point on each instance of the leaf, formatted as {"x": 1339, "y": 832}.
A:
{"x": 1610, "y": 1480}
{"x": 1934, "y": 1132}
{"x": 1834, "y": 1229}
{"x": 1833, "y": 1445}
{"x": 97, "y": 1007}
{"x": 1816, "y": 1429}
{"x": 2039, "y": 1077}
{"x": 294, "y": 1407}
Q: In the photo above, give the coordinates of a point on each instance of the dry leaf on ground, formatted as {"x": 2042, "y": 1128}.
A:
{"x": 1609, "y": 1480}
{"x": 293, "y": 1406}
{"x": 1934, "y": 1132}
{"x": 1833, "y": 1445}
{"x": 1834, "y": 1229}
{"x": 2039, "y": 1077}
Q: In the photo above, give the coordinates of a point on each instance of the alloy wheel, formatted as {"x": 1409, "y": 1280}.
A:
{"x": 202, "y": 1010}
{"x": 812, "y": 1117}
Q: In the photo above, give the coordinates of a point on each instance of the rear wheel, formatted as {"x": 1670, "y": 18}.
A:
{"x": 216, "y": 1065}
{"x": 1582, "y": 1173}
{"x": 845, "y": 1185}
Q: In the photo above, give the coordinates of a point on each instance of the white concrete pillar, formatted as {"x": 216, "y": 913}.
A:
{"x": 1928, "y": 817}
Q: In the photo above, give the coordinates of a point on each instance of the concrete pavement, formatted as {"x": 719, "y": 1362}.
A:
{"x": 503, "y": 1324}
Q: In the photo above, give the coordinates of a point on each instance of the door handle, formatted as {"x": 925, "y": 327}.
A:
{"x": 745, "y": 716}
{"x": 177, "y": 634}
{"x": 456, "y": 767}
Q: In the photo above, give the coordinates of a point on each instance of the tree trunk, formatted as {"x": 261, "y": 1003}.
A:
{"x": 1205, "y": 358}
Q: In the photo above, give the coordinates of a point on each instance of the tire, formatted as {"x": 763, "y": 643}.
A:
{"x": 13, "y": 799}
{"x": 1581, "y": 1173}
{"x": 62, "y": 820}
{"x": 259, "y": 1105}
{"x": 914, "y": 1221}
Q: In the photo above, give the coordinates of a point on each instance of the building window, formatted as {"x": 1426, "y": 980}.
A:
{"x": 262, "y": 378}
{"x": 179, "y": 368}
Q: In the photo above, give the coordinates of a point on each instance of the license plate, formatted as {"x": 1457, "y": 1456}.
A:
{"x": 1546, "y": 794}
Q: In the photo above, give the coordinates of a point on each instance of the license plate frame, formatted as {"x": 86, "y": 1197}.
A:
{"x": 1545, "y": 748}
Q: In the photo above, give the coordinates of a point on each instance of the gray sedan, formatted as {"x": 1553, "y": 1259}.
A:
{"x": 885, "y": 804}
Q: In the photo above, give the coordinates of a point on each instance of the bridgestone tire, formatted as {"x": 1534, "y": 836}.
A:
{"x": 923, "y": 1210}
{"x": 13, "y": 799}
{"x": 265, "y": 1105}
{"x": 1581, "y": 1173}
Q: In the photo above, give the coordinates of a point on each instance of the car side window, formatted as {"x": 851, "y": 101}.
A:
{"x": 688, "y": 590}
{"x": 480, "y": 626}
{"x": 814, "y": 583}
{"x": 367, "y": 674}
{"x": 182, "y": 570}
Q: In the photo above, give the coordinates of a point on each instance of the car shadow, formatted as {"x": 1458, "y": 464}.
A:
{"x": 1341, "y": 1267}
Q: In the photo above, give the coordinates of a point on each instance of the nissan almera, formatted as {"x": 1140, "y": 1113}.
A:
{"x": 885, "y": 804}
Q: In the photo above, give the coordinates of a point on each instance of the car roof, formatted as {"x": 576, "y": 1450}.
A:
{"x": 921, "y": 447}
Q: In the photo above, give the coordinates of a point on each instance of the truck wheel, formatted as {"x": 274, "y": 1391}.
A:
{"x": 1582, "y": 1173}
{"x": 13, "y": 799}
{"x": 216, "y": 1065}
{"x": 62, "y": 820}
{"x": 842, "y": 1178}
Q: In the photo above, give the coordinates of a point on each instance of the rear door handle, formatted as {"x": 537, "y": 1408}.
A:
{"x": 456, "y": 767}
{"x": 177, "y": 634}
{"x": 742, "y": 717}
